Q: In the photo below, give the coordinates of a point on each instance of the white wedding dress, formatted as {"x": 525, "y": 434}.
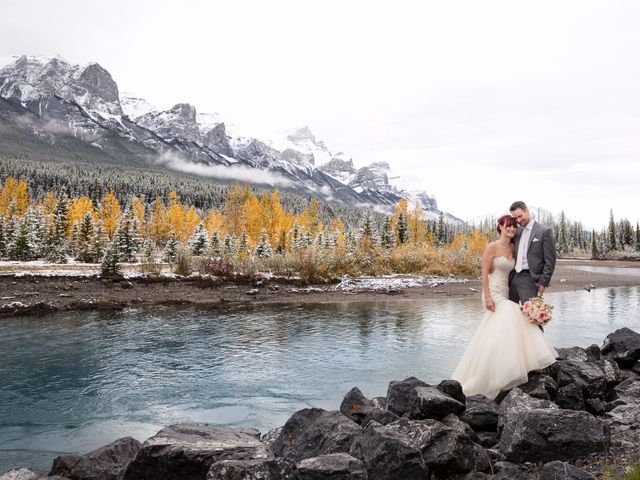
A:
{"x": 506, "y": 346}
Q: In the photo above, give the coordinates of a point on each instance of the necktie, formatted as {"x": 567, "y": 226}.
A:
{"x": 524, "y": 238}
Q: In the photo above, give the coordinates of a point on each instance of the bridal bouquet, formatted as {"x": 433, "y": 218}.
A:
{"x": 536, "y": 311}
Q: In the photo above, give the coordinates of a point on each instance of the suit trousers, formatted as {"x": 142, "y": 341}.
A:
{"x": 521, "y": 286}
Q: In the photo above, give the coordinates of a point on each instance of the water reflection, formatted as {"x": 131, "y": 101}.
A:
{"x": 80, "y": 380}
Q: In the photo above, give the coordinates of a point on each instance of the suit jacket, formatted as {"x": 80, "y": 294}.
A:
{"x": 541, "y": 255}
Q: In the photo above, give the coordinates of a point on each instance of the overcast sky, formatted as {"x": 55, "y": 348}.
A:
{"x": 477, "y": 102}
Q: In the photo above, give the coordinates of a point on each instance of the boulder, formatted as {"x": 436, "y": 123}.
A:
{"x": 401, "y": 393}
{"x": 355, "y": 405}
{"x": 187, "y": 451}
{"x": 442, "y": 450}
{"x": 481, "y": 413}
{"x": 389, "y": 454}
{"x": 383, "y": 417}
{"x": 552, "y": 434}
{"x": 558, "y": 470}
{"x": 262, "y": 469}
{"x": 540, "y": 386}
{"x": 453, "y": 389}
{"x": 452, "y": 421}
{"x": 488, "y": 439}
{"x": 431, "y": 402}
{"x": 590, "y": 354}
{"x": 24, "y": 473}
{"x": 623, "y": 346}
{"x": 105, "y": 463}
{"x": 518, "y": 402}
{"x": 589, "y": 376}
{"x": 625, "y": 416}
{"x": 571, "y": 397}
{"x": 312, "y": 432}
{"x": 509, "y": 471}
{"x": 333, "y": 466}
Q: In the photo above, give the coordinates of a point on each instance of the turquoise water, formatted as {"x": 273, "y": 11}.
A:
{"x": 75, "y": 381}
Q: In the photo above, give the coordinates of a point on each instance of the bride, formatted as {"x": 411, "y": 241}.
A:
{"x": 506, "y": 346}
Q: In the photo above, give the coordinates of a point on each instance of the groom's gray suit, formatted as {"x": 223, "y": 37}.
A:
{"x": 541, "y": 257}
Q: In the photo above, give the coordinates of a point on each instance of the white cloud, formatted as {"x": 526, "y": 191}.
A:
{"x": 234, "y": 172}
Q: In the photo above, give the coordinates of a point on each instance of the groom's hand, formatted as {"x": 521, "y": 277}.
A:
{"x": 541, "y": 290}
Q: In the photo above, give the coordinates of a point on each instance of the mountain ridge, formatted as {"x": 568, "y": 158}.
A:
{"x": 85, "y": 102}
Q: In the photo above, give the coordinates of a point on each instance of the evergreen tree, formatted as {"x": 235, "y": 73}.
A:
{"x": 626, "y": 233}
{"x": 110, "y": 266}
{"x": 84, "y": 234}
{"x": 243, "y": 246}
{"x": 125, "y": 238}
{"x": 594, "y": 245}
{"x": 402, "y": 228}
{"x": 386, "y": 237}
{"x": 637, "y": 240}
{"x": 171, "y": 248}
{"x": 229, "y": 248}
{"x": 198, "y": 241}
{"x": 561, "y": 243}
{"x": 441, "y": 233}
{"x": 99, "y": 242}
{"x": 19, "y": 248}
{"x": 264, "y": 248}
{"x": 214, "y": 245}
{"x": 3, "y": 241}
{"x": 612, "y": 233}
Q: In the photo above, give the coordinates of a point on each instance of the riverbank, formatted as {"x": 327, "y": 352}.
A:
{"x": 34, "y": 290}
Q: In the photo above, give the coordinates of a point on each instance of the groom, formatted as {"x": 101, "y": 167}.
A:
{"x": 535, "y": 256}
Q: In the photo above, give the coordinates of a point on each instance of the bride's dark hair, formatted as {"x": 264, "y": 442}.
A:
{"x": 506, "y": 221}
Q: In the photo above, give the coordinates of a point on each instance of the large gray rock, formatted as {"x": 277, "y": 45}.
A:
{"x": 333, "y": 466}
{"x": 453, "y": 389}
{"x": 383, "y": 417}
{"x": 481, "y": 413}
{"x": 589, "y": 376}
{"x": 540, "y": 386}
{"x": 259, "y": 469}
{"x": 431, "y": 402}
{"x": 516, "y": 403}
{"x": 411, "y": 448}
{"x": 623, "y": 346}
{"x": 571, "y": 397}
{"x": 312, "y": 432}
{"x": 401, "y": 393}
{"x": 105, "y": 463}
{"x": 187, "y": 451}
{"x": 558, "y": 470}
{"x": 452, "y": 421}
{"x": 355, "y": 405}
{"x": 389, "y": 454}
{"x": 24, "y": 473}
{"x": 548, "y": 434}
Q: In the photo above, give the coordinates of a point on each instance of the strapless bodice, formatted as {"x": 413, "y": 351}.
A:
{"x": 499, "y": 277}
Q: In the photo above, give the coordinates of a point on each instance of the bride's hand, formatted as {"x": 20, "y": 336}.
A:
{"x": 490, "y": 305}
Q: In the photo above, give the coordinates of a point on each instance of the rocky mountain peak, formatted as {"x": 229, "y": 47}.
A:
{"x": 185, "y": 111}
{"x": 98, "y": 81}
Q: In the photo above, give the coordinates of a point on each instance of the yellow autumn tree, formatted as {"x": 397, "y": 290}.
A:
{"x": 310, "y": 217}
{"x": 215, "y": 221}
{"x": 18, "y": 191}
{"x": 159, "y": 227}
{"x": 78, "y": 207}
{"x": 191, "y": 221}
{"x": 176, "y": 216}
{"x": 232, "y": 209}
{"x": 110, "y": 213}
{"x": 417, "y": 225}
{"x": 138, "y": 208}
{"x": 252, "y": 219}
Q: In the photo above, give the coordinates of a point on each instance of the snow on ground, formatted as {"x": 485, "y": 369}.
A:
{"x": 384, "y": 283}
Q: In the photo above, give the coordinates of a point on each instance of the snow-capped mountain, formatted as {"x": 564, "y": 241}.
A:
{"x": 377, "y": 179}
{"x": 84, "y": 102}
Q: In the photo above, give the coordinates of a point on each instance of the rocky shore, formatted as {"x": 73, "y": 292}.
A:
{"x": 577, "y": 419}
{"x": 29, "y": 292}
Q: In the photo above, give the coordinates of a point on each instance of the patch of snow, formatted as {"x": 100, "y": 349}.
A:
{"x": 135, "y": 107}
